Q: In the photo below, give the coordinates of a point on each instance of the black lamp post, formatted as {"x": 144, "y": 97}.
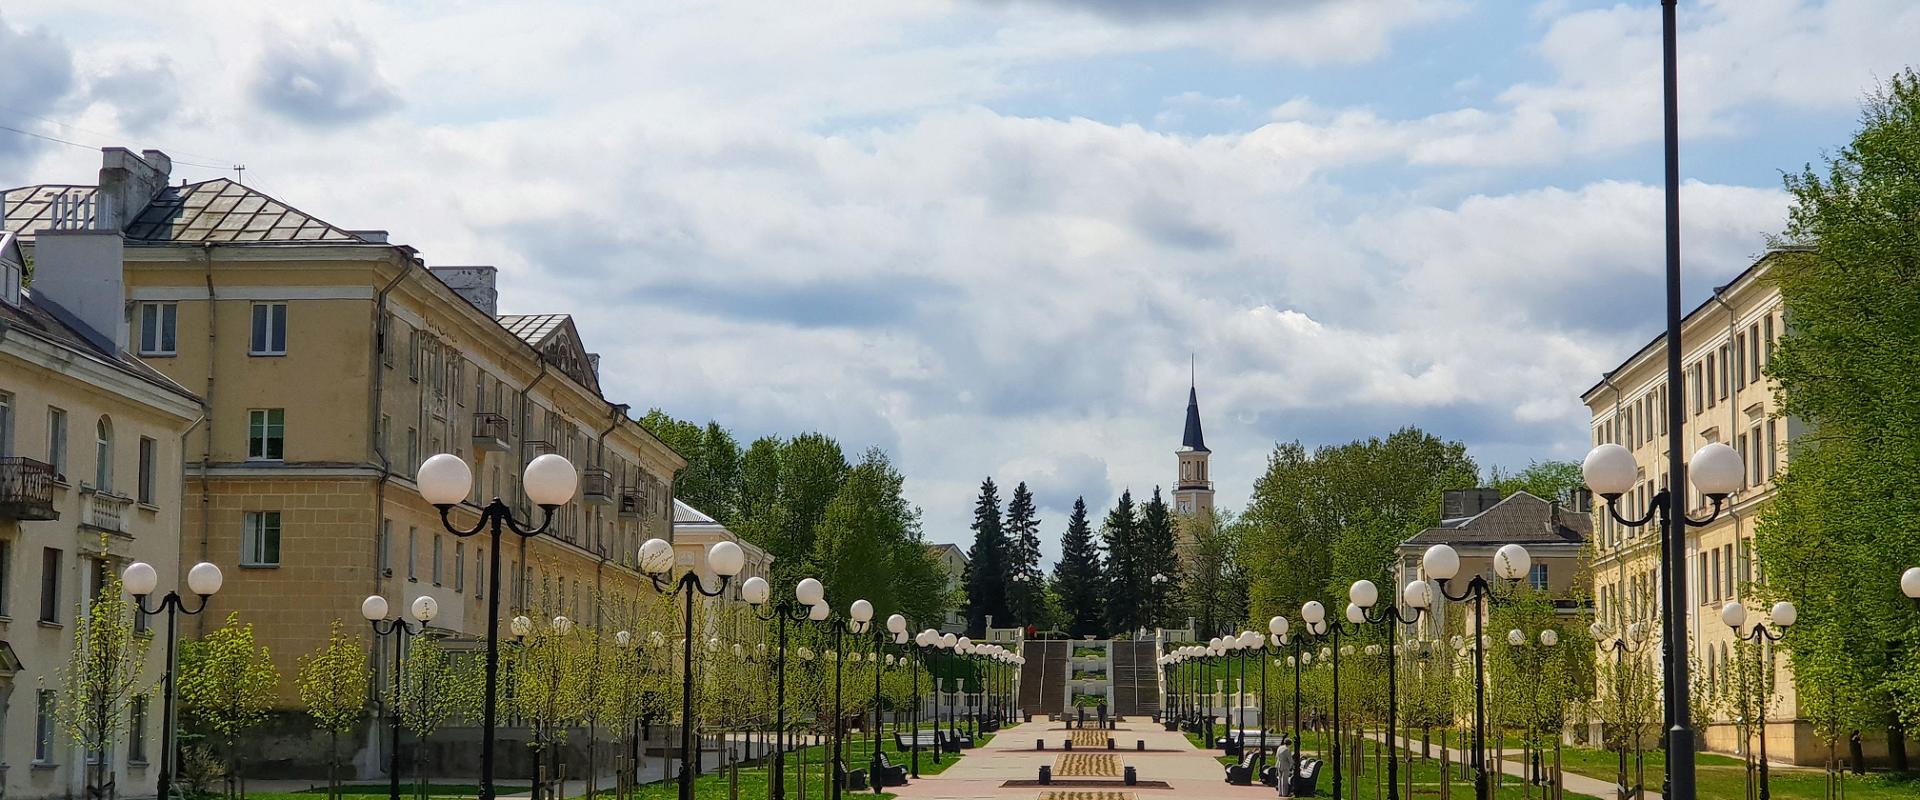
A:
{"x": 896, "y": 627}
{"x": 139, "y": 580}
{"x": 1511, "y": 563}
{"x": 1269, "y": 646}
{"x": 445, "y": 481}
{"x": 755, "y": 591}
{"x": 726, "y": 560}
{"x": 1784, "y": 615}
{"x": 1364, "y": 595}
{"x": 374, "y": 609}
{"x": 1716, "y": 470}
{"x": 1322, "y": 629}
{"x": 1634, "y": 640}
{"x": 860, "y": 617}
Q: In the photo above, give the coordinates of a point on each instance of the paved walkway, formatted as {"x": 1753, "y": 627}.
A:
{"x": 1190, "y": 773}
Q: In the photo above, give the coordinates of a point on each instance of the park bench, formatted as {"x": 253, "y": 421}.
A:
{"x": 1306, "y": 778}
{"x": 918, "y": 739}
{"x": 954, "y": 742}
{"x": 1241, "y": 774}
{"x": 888, "y": 774}
{"x": 855, "y": 780}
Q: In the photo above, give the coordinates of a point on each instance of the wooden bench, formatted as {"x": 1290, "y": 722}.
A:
{"x": 1306, "y": 777}
{"x": 1241, "y": 774}
{"x": 887, "y": 774}
{"x": 917, "y": 740}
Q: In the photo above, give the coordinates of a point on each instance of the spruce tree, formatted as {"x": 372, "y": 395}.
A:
{"x": 1076, "y": 579}
{"x": 987, "y": 563}
{"x": 1124, "y": 591}
{"x": 1026, "y": 600}
{"x": 1158, "y": 556}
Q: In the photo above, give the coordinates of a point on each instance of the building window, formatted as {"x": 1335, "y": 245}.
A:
{"x": 413, "y": 354}
{"x": 1773, "y": 446}
{"x": 1726, "y": 370}
{"x": 459, "y": 566}
{"x": 103, "y": 454}
{"x": 266, "y": 434}
{"x": 436, "y": 559}
{"x": 413, "y": 451}
{"x": 479, "y": 573}
{"x": 386, "y": 338}
{"x": 413, "y": 554}
{"x": 260, "y": 539}
{"x": 1712, "y": 375}
{"x": 57, "y": 441}
{"x": 1753, "y": 352}
{"x": 1739, "y": 360}
{"x": 145, "y": 490}
{"x": 137, "y": 730}
{"x": 269, "y": 330}
{"x": 50, "y": 584}
{"x": 43, "y": 726}
{"x": 6, "y": 578}
{"x": 157, "y": 323}
{"x": 1538, "y": 577}
{"x": 1767, "y": 336}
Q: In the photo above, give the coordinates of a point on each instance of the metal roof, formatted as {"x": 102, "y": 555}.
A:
{"x": 532, "y": 328}
{"x": 1521, "y": 518}
{"x": 1192, "y": 440}
{"x": 217, "y": 210}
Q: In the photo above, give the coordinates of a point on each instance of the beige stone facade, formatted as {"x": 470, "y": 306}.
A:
{"x": 1729, "y": 340}
{"x": 90, "y": 452}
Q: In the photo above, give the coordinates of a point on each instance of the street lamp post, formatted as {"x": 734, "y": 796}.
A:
{"x": 656, "y": 559}
{"x": 374, "y": 609}
{"x": 859, "y": 617}
{"x": 139, "y": 579}
{"x": 1315, "y": 615}
{"x": 1511, "y": 563}
{"x": 1517, "y": 639}
{"x": 1784, "y": 614}
{"x": 445, "y": 481}
{"x": 1632, "y": 640}
{"x": 1365, "y": 595}
{"x": 896, "y": 627}
{"x": 1715, "y": 470}
{"x": 755, "y": 591}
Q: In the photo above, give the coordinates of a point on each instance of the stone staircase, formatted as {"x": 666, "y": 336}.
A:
{"x": 1135, "y": 677}
{"x": 1043, "y": 679}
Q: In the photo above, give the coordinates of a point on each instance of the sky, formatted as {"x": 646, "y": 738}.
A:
{"x": 993, "y": 236}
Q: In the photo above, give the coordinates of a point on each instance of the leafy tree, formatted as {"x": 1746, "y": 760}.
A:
{"x": 101, "y": 680}
{"x": 333, "y": 687}
{"x": 1547, "y": 480}
{"x": 986, "y": 576}
{"x": 226, "y": 686}
{"x": 1845, "y": 509}
{"x": 1026, "y": 595}
{"x": 1076, "y": 579}
{"x": 711, "y": 479}
{"x": 1320, "y": 521}
{"x": 434, "y": 686}
{"x": 1159, "y": 555}
{"x": 869, "y": 544}
{"x": 1215, "y": 585}
{"x": 1126, "y": 590}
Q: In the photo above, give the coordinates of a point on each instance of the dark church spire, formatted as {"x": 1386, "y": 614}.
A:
{"x": 1193, "y": 440}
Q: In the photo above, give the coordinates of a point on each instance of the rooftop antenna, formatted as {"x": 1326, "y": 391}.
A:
{"x": 1193, "y": 379}
{"x": 240, "y": 174}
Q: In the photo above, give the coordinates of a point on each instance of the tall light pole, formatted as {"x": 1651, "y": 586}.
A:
{"x": 1784, "y": 614}
{"x": 1364, "y": 595}
{"x": 1511, "y": 563}
{"x": 1631, "y": 641}
{"x": 1715, "y": 470}
{"x": 755, "y": 590}
{"x": 139, "y": 579}
{"x": 859, "y": 617}
{"x": 445, "y": 481}
{"x": 374, "y": 609}
{"x": 656, "y": 559}
{"x": 896, "y": 627}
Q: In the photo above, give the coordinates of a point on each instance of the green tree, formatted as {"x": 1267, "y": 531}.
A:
{"x": 434, "y": 686}
{"x": 1026, "y": 593}
{"x": 986, "y": 576}
{"x": 1845, "y": 509}
{"x": 1159, "y": 556}
{"x": 333, "y": 687}
{"x": 1320, "y": 521}
{"x": 226, "y": 687}
{"x": 1076, "y": 579}
{"x": 1212, "y": 580}
{"x": 1126, "y": 587}
{"x": 1548, "y": 480}
{"x": 868, "y": 544}
{"x": 101, "y": 680}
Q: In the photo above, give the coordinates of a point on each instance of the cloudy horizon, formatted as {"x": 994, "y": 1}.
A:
{"x": 988, "y": 236}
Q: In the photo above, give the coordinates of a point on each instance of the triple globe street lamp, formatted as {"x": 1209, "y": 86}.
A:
{"x": 374, "y": 609}
{"x": 725, "y": 559}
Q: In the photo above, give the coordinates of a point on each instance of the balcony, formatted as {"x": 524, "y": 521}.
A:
{"x": 632, "y": 505}
{"x": 596, "y": 486}
{"x": 26, "y": 490}
{"x": 106, "y": 511}
{"x": 489, "y": 432}
{"x": 536, "y": 448}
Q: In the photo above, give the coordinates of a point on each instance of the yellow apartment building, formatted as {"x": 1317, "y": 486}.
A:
{"x": 90, "y": 453}
{"x": 331, "y": 363}
{"x": 1729, "y": 341}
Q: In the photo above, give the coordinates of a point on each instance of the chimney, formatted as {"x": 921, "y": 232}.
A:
{"x": 473, "y": 283}
{"x": 78, "y": 271}
{"x": 128, "y": 183}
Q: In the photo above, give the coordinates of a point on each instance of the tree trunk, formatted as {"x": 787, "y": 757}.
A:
{"x": 1897, "y": 747}
{"x": 1856, "y": 753}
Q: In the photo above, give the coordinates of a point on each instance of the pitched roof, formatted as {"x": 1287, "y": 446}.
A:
{"x": 684, "y": 514}
{"x": 42, "y": 317}
{"x": 1521, "y": 518}
{"x": 558, "y": 342}
{"x": 532, "y": 328}
{"x": 217, "y": 210}
{"x": 1192, "y": 439}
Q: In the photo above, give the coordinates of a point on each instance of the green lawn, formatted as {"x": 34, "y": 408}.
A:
{"x": 858, "y": 753}
{"x": 378, "y": 791}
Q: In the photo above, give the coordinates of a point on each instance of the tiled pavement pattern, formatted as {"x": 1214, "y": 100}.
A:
{"x": 1087, "y": 765}
{"x": 1090, "y": 738}
{"x": 984, "y": 773}
{"x": 1086, "y": 795}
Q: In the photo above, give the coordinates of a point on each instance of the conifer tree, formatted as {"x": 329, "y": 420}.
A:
{"x": 1076, "y": 579}
{"x": 1158, "y": 556}
{"x": 986, "y": 577}
{"x": 1026, "y": 599}
{"x": 1125, "y": 593}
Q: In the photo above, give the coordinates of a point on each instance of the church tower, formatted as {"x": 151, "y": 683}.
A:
{"x": 1193, "y": 492}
